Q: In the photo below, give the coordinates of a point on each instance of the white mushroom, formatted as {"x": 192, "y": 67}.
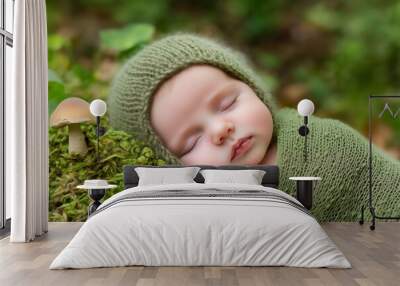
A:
{"x": 72, "y": 112}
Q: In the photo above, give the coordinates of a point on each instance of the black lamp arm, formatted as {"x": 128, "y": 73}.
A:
{"x": 98, "y": 126}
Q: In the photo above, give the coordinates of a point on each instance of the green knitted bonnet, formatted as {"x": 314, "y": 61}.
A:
{"x": 129, "y": 100}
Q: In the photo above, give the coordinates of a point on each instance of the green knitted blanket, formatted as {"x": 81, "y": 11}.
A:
{"x": 339, "y": 155}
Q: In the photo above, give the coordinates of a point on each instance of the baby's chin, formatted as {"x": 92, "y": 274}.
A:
{"x": 254, "y": 157}
{"x": 245, "y": 161}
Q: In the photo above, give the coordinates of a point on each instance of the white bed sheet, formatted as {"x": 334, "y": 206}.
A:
{"x": 200, "y": 231}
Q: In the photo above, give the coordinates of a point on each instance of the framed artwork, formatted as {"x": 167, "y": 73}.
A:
{"x": 384, "y": 132}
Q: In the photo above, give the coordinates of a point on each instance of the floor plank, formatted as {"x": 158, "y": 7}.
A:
{"x": 374, "y": 255}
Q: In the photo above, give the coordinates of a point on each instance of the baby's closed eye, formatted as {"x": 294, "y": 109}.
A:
{"x": 228, "y": 102}
{"x": 192, "y": 143}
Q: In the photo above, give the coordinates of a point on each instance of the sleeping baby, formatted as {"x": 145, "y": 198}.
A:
{"x": 196, "y": 101}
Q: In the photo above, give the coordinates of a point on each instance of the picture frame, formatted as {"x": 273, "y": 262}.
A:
{"x": 388, "y": 110}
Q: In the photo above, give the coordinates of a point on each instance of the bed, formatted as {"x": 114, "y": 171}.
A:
{"x": 201, "y": 224}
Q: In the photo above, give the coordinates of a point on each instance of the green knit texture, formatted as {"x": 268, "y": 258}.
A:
{"x": 129, "y": 101}
{"x": 339, "y": 155}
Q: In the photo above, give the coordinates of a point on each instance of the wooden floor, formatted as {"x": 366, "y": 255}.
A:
{"x": 374, "y": 255}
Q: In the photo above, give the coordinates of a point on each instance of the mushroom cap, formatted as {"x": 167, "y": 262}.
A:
{"x": 71, "y": 110}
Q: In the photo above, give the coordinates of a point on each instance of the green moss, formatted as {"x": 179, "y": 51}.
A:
{"x": 66, "y": 171}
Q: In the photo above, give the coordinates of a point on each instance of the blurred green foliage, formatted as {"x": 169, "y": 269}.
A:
{"x": 365, "y": 58}
{"x": 127, "y": 38}
{"x": 336, "y": 53}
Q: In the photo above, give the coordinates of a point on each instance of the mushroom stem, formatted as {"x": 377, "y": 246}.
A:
{"x": 76, "y": 142}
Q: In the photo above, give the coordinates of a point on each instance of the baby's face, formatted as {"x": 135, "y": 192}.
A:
{"x": 201, "y": 113}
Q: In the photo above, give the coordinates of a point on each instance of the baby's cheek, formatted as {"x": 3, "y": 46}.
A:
{"x": 199, "y": 159}
{"x": 195, "y": 160}
{"x": 255, "y": 116}
{"x": 206, "y": 153}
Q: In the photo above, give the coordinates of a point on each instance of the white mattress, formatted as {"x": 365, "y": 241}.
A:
{"x": 183, "y": 231}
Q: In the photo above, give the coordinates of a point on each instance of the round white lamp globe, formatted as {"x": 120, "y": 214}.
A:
{"x": 98, "y": 107}
{"x": 305, "y": 107}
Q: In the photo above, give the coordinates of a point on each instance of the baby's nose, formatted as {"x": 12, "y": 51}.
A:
{"x": 221, "y": 134}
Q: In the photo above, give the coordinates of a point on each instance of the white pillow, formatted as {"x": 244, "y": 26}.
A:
{"x": 249, "y": 177}
{"x": 162, "y": 176}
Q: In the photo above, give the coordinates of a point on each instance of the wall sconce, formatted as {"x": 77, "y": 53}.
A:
{"x": 98, "y": 108}
{"x": 305, "y": 108}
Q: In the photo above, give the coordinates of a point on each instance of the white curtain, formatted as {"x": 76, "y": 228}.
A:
{"x": 27, "y": 124}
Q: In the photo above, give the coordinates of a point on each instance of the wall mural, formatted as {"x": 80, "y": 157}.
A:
{"x": 156, "y": 91}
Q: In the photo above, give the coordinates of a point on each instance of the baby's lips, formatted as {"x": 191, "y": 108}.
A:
{"x": 238, "y": 145}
